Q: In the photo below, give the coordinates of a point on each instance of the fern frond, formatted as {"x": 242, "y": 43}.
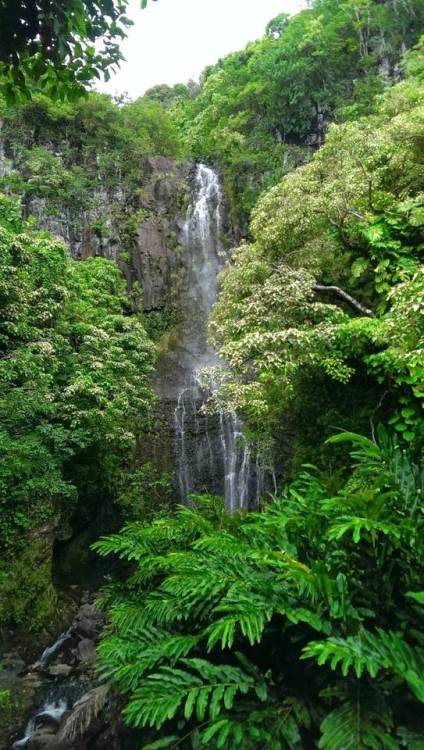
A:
{"x": 171, "y": 742}
{"x": 350, "y": 728}
{"x": 349, "y": 653}
{"x": 207, "y": 688}
{"x": 418, "y": 596}
{"x": 127, "y": 662}
{"x": 371, "y": 652}
{"x": 359, "y": 526}
{"x": 83, "y": 714}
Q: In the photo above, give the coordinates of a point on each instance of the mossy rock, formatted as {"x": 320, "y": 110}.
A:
{"x": 27, "y": 595}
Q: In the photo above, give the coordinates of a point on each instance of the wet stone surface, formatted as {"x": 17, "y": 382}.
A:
{"x": 48, "y": 691}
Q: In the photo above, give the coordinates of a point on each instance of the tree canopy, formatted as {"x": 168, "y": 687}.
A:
{"x": 349, "y": 221}
{"x": 260, "y": 110}
{"x": 58, "y": 47}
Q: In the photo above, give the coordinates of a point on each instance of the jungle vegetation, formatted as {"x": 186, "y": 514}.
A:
{"x": 59, "y": 47}
{"x": 299, "y": 625}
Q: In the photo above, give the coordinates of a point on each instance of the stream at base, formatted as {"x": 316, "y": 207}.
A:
{"x": 60, "y": 683}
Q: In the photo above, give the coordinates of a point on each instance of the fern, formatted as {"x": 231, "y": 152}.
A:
{"x": 210, "y": 637}
{"x": 205, "y": 689}
{"x": 351, "y": 728}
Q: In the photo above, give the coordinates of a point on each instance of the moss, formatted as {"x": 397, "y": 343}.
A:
{"x": 160, "y": 323}
{"x": 15, "y": 702}
{"x": 27, "y": 594}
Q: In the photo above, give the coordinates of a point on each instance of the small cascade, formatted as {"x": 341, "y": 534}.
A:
{"x": 50, "y": 652}
{"x": 50, "y": 711}
{"x": 60, "y": 680}
{"x": 212, "y": 453}
{"x": 54, "y": 701}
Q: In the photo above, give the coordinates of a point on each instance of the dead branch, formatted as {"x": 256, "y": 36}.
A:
{"x": 322, "y": 289}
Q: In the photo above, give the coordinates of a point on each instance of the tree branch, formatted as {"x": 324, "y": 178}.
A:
{"x": 344, "y": 296}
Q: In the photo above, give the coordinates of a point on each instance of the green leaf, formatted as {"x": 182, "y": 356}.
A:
{"x": 165, "y": 742}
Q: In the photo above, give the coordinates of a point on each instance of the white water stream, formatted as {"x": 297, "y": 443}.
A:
{"x": 213, "y": 455}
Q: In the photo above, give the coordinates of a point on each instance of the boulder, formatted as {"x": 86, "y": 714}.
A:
{"x": 86, "y": 651}
{"x": 88, "y": 622}
{"x": 47, "y": 722}
{"x": 13, "y": 663}
{"x": 60, "y": 670}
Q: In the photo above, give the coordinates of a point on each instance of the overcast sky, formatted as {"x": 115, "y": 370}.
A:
{"x": 173, "y": 40}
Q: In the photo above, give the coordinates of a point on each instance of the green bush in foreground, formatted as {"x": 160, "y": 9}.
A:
{"x": 298, "y": 627}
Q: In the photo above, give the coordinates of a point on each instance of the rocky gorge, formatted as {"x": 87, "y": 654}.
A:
{"x": 177, "y": 251}
{"x": 67, "y": 708}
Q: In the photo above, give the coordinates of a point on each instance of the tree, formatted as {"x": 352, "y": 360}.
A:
{"x": 74, "y": 391}
{"x": 58, "y": 47}
{"x": 332, "y": 283}
{"x": 276, "y": 27}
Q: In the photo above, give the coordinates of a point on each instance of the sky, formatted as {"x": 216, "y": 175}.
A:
{"x": 173, "y": 40}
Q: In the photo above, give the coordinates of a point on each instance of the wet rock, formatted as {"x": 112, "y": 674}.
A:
{"x": 60, "y": 670}
{"x": 13, "y": 663}
{"x": 33, "y": 680}
{"x": 47, "y": 722}
{"x": 88, "y": 622}
{"x": 43, "y": 739}
{"x": 154, "y": 261}
{"x": 150, "y": 260}
{"x": 86, "y": 651}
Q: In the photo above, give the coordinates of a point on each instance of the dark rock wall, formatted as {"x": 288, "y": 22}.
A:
{"x": 137, "y": 227}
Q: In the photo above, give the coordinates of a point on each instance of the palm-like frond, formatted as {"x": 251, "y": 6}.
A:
{"x": 211, "y": 634}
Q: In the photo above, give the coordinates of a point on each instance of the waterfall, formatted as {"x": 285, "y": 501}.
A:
{"x": 212, "y": 453}
{"x": 52, "y": 650}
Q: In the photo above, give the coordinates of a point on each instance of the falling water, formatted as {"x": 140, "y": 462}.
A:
{"x": 51, "y": 651}
{"x": 52, "y": 709}
{"x": 213, "y": 454}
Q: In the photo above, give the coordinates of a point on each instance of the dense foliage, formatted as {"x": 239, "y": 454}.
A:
{"x": 297, "y": 627}
{"x": 332, "y": 285}
{"x": 72, "y": 158}
{"x": 73, "y": 392}
{"x": 257, "y": 109}
{"x": 58, "y": 47}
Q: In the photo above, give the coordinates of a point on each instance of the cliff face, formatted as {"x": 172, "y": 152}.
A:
{"x": 135, "y": 225}
{"x": 154, "y": 258}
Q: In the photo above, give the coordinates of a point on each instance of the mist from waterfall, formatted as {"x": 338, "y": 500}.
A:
{"x": 212, "y": 453}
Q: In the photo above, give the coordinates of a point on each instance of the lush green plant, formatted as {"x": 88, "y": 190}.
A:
{"x": 59, "y": 47}
{"x": 63, "y": 151}
{"x": 257, "y": 109}
{"x": 332, "y": 284}
{"x": 145, "y": 493}
{"x": 74, "y": 386}
{"x": 297, "y": 627}
{"x": 4, "y": 697}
